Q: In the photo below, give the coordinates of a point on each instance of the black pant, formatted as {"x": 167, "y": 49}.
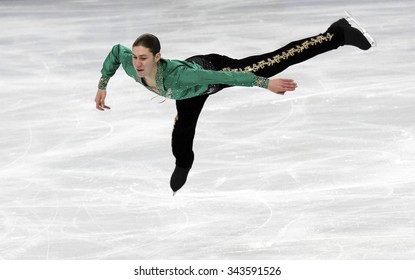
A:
{"x": 265, "y": 65}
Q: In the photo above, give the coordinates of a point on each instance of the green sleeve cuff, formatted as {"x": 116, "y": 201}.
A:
{"x": 261, "y": 82}
{"x": 103, "y": 81}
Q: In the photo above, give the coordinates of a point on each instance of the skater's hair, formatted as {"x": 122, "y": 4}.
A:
{"x": 149, "y": 41}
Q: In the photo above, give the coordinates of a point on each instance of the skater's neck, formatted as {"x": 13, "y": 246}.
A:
{"x": 151, "y": 77}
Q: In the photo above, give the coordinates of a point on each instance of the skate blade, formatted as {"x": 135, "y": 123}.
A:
{"x": 367, "y": 35}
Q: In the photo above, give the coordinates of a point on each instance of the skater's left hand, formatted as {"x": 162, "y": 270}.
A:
{"x": 281, "y": 86}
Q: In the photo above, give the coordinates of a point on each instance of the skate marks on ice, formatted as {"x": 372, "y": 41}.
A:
{"x": 207, "y": 231}
{"x": 340, "y": 218}
{"x": 28, "y": 133}
{"x": 122, "y": 222}
{"x": 135, "y": 229}
{"x": 348, "y": 174}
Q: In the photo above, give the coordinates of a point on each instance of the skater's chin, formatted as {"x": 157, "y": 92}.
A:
{"x": 140, "y": 73}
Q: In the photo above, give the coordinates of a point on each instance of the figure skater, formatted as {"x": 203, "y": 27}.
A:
{"x": 192, "y": 81}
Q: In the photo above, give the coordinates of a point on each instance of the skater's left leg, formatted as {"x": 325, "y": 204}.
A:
{"x": 270, "y": 64}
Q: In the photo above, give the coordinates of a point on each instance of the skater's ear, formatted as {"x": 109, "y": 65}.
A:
{"x": 157, "y": 56}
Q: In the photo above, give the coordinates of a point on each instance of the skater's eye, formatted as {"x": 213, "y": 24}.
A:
{"x": 140, "y": 57}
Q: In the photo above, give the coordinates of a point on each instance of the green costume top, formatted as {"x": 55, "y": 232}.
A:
{"x": 176, "y": 79}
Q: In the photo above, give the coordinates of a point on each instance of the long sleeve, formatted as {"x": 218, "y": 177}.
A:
{"x": 182, "y": 82}
{"x": 192, "y": 77}
{"x": 117, "y": 56}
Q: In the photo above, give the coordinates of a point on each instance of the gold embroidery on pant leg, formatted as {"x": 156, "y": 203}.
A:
{"x": 284, "y": 55}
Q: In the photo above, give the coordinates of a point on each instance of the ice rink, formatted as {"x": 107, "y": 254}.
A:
{"x": 326, "y": 172}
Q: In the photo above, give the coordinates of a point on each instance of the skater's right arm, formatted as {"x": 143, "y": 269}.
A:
{"x": 100, "y": 100}
{"x": 119, "y": 55}
{"x": 110, "y": 65}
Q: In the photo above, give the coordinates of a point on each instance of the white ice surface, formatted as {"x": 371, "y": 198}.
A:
{"x": 327, "y": 172}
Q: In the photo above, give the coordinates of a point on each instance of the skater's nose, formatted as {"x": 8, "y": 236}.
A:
{"x": 137, "y": 62}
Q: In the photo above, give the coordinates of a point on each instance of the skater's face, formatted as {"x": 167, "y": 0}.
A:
{"x": 144, "y": 61}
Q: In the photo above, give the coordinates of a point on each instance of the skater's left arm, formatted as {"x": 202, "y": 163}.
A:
{"x": 281, "y": 86}
{"x": 194, "y": 77}
{"x": 186, "y": 78}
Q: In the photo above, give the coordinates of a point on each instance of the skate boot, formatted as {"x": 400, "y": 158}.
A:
{"x": 178, "y": 178}
{"x": 352, "y": 36}
{"x": 367, "y": 35}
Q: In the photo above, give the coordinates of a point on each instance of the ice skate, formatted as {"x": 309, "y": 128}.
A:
{"x": 178, "y": 178}
{"x": 352, "y": 36}
{"x": 369, "y": 38}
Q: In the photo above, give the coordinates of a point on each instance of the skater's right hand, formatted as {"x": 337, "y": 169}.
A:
{"x": 100, "y": 100}
{"x": 281, "y": 86}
